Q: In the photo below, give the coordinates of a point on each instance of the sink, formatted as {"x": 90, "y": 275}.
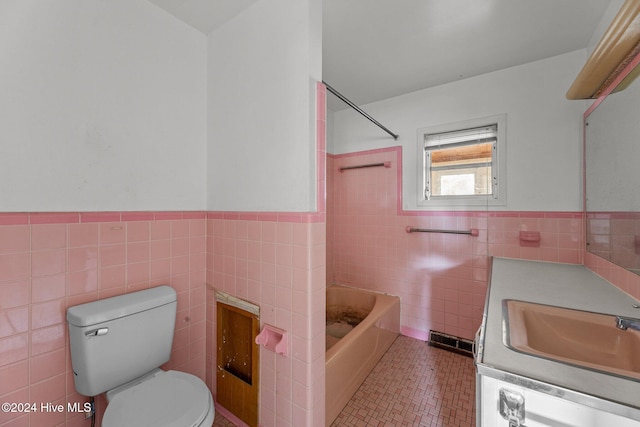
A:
{"x": 580, "y": 338}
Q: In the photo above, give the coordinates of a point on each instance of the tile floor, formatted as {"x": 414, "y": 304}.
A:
{"x": 412, "y": 385}
{"x": 221, "y": 421}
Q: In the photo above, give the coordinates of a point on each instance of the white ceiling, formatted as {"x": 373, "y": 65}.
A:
{"x": 204, "y": 15}
{"x": 377, "y": 49}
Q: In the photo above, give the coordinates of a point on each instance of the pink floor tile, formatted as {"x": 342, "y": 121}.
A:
{"x": 414, "y": 385}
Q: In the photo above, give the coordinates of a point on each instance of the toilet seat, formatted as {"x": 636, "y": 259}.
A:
{"x": 168, "y": 399}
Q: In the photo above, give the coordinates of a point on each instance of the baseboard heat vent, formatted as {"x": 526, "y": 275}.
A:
{"x": 451, "y": 343}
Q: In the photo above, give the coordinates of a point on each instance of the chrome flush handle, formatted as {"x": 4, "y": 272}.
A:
{"x": 97, "y": 332}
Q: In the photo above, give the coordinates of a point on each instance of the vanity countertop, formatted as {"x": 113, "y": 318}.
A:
{"x": 565, "y": 285}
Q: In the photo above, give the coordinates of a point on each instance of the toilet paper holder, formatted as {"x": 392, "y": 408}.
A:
{"x": 274, "y": 339}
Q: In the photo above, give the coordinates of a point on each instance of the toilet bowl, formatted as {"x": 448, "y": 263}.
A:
{"x": 118, "y": 345}
{"x": 162, "y": 398}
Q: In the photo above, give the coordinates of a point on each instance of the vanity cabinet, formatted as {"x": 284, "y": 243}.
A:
{"x": 518, "y": 389}
{"x": 505, "y": 404}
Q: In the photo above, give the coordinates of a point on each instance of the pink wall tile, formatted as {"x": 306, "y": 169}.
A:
{"x": 14, "y": 239}
{"x": 14, "y": 294}
{"x": 83, "y": 235}
{"x": 53, "y": 217}
{"x": 260, "y": 260}
{"x": 112, "y": 255}
{"x": 14, "y": 266}
{"x": 194, "y": 215}
{"x": 48, "y": 288}
{"x": 11, "y": 218}
{"x": 47, "y": 365}
{"x": 137, "y": 216}
{"x": 138, "y": 252}
{"x": 160, "y": 230}
{"x": 199, "y": 244}
{"x": 51, "y": 261}
{"x": 14, "y": 376}
{"x": 83, "y": 281}
{"x": 47, "y": 339}
{"x": 100, "y": 217}
{"x": 13, "y": 322}
{"x": 49, "y": 236}
{"x": 167, "y": 215}
{"x": 179, "y": 229}
{"x": 83, "y": 258}
{"x": 13, "y": 349}
{"x": 160, "y": 249}
{"x": 138, "y": 231}
{"x": 48, "y": 313}
{"x": 160, "y": 270}
{"x": 112, "y": 233}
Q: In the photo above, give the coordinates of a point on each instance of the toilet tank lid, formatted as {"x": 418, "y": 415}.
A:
{"x": 112, "y": 308}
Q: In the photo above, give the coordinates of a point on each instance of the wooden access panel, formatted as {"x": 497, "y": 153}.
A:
{"x": 238, "y": 361}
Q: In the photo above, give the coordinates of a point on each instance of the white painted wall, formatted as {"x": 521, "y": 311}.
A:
{"x": 103, "y": 107}
{"x": 261, "y": 118}
{"x": 544, "y": 129}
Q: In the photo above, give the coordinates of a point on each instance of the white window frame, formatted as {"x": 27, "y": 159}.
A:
{"x": 499, "y": 196}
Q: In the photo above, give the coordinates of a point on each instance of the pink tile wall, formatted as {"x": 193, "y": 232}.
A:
{"x": 50, "y": 261}
{"x": 441, "y": 278}
{"x": 619, "y": 276}
{"x": 278, "y": 265}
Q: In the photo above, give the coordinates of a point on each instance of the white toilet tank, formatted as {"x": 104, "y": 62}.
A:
{"x": 118, "y": 339}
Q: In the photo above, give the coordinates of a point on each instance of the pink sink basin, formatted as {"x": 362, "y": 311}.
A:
{"x": 580, "y": 338}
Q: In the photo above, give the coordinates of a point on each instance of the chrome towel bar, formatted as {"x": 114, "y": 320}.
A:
{"x": 473, "y": 232}
{"x": 370, "y": 165}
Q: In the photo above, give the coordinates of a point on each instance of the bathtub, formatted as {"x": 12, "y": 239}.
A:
{"x": 349, "y": 360}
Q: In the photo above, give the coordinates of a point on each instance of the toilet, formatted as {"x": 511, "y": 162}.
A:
{"x": 118, "y": 345}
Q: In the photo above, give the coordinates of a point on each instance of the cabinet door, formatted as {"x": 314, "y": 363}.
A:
{"x": 500, "y": 401}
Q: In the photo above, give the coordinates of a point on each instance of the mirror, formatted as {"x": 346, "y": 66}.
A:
{"x": 612, "y": 176}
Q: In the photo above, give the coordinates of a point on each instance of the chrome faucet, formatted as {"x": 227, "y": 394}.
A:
{"x": 627, "y": 322}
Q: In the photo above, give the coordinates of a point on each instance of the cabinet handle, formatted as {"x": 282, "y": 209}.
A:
{"x": 512, "y": 407}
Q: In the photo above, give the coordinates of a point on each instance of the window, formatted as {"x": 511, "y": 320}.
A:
{"x": 461, "y": 164}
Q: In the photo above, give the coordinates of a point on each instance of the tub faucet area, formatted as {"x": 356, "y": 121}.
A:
{"x": 625, "y": 323}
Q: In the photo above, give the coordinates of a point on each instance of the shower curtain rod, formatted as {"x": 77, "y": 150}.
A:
{"x": 359, "y": 110}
